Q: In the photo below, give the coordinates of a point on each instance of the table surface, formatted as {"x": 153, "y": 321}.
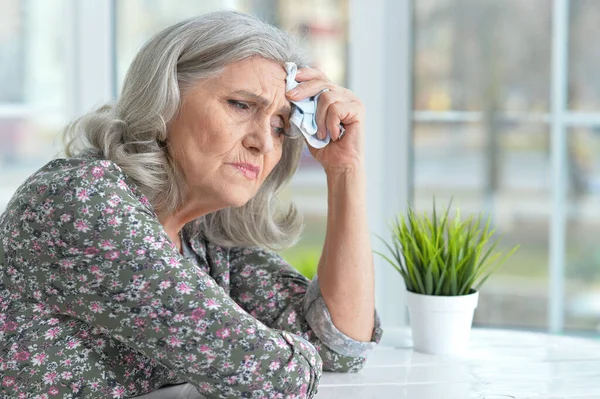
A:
{"x": 499, "y": 364}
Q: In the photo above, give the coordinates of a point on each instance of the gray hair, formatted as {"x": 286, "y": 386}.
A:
{"x": 133, "y": 132}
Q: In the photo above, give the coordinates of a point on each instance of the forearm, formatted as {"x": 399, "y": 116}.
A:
{"x": 346, "y": 267}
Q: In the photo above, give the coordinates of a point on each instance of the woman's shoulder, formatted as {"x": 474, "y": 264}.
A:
{"x": 78, "y": 179}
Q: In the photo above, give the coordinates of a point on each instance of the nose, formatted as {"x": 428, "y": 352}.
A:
{"x": 260, "y": 139}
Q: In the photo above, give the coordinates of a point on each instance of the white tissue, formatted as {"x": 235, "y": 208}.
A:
{"x": 304, "y": 113}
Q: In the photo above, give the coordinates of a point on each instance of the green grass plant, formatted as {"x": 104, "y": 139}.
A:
{"x": 443, "y": 257}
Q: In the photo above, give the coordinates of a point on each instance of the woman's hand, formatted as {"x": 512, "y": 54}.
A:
{"x": 338, "y": 105}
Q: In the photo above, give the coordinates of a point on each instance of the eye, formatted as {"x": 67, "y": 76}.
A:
{"x": 239, "y": 105}
{"x": 280, "y": 131}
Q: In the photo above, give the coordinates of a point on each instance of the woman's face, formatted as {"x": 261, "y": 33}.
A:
{"x": 228, "y": 135}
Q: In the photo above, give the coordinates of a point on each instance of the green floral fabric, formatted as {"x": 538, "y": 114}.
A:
{"x": 96, "y": 302}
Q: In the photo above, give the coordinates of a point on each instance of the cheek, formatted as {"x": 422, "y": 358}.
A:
{"x": 273, "y": 159}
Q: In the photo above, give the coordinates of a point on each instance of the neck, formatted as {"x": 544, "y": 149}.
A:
{"x": 190, "y": 210}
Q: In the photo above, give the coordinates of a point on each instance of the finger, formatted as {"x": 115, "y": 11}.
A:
{"x": 335, "y": 113}
{"x": 325, "y": 100}
{"x": 304, "y": 74}
{"x": 309, "y": 89}
{"x": 344, "y": 112}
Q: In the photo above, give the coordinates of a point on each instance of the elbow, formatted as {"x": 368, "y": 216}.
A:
{"x": 301, "y": 379}
{"x": 303, "y": 370}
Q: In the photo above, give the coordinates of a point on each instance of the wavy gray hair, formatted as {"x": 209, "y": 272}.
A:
{"x": 133, "y": 133}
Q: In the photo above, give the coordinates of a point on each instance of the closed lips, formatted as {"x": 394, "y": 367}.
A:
{"x": 247, "y": 169}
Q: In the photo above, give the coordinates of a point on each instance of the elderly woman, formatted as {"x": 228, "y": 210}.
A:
{"x": 144, "y": 259}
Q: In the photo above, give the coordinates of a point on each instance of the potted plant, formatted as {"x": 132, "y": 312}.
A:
{"x": 443, "y": 263}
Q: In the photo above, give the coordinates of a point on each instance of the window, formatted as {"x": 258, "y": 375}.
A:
{"x": 33, "y": 97}
{"x": 486, "y": 134}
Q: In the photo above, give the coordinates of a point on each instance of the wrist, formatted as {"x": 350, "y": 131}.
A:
{"x": 345, "y": 172}
{"x": 346, "y": 180}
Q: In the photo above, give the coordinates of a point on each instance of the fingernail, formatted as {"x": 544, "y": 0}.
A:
{"x": 299, "y": 72}
{"x": 293, "y": 92}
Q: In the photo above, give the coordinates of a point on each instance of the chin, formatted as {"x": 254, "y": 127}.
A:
{"x": 237, "y": 200}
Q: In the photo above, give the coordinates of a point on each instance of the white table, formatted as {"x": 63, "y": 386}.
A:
{"x": 498, "y": 365}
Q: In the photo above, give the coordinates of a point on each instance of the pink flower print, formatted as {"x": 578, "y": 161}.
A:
{"x": 174, "y": 342}
{"x": 10, "y": 326}
{"x": 8, "y": 381}
{"x": 139, "y": 322}
{"x": 75, "y": 387}
{"x": 66, "y": 375}
{"x": 206, "y": 387}
{"x": 53, "y": 391}
{"x": 97, "y": 172}
{"x": 82, "y": 194}
{"x": 118, "y": 392}
{"x": 198, "y": 314}
{"x": 107, "y": 245}
{"x": 223, "y": 333}
{"x": 81, "y": 225}
{"x": 66, "y": 263}
{"x": 91, "y": 251}
{"x": 74, "y": 343}
{"x": 191, "y": 358}
{"x": 164, "y": 284}
{"x": 291, "y": 318}
{"x": 96, "y": 307}
{"x": 227, "y": 365}
{"x": 52, "y": 333}
{"x": 65, "y": 217}
{"x": 274, "y": 365}
{"x": 50, "y": 377}
{"x": 291, "y": 366}
{"x": 212, "y": 304}
{"x": 174, "y": 263}
{"x": 53, "y": 321}
{"x": 183, "y": 288}
{"x": 179, "y": 317}
{"x": 183, "y": 274}
{"x": 114, "y": 221}
{"x": 21, "y": 356}
{"x": 231, "y": 380}
{"x": 112, "y": 255}
{"x": 245, "y": 297}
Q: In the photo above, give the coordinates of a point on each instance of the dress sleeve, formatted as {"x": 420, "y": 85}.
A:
{"x": 113, "y": 266}
{"x": 282, "y": 298}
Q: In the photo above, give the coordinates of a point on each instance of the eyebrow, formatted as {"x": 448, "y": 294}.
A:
{"x": 286, "y": 109}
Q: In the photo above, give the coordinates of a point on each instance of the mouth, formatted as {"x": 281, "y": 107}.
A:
{"x": 249, "y": 170}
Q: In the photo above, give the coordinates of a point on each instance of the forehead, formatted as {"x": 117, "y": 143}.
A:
{"x": 254, "y": 74}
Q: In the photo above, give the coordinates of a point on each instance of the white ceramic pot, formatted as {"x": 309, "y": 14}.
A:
{"x": 441, "y": 325}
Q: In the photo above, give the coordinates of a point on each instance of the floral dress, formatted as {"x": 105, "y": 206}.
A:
{"x": 96, "y": 301}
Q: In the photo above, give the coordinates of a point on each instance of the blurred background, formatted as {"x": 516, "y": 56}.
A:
{"x": 496, "y": 103}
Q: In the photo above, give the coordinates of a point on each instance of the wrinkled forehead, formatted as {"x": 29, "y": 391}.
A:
{"x": 265, "y": 77}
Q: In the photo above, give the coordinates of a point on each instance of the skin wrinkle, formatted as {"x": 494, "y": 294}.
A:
{"x": 209, "y": 132}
